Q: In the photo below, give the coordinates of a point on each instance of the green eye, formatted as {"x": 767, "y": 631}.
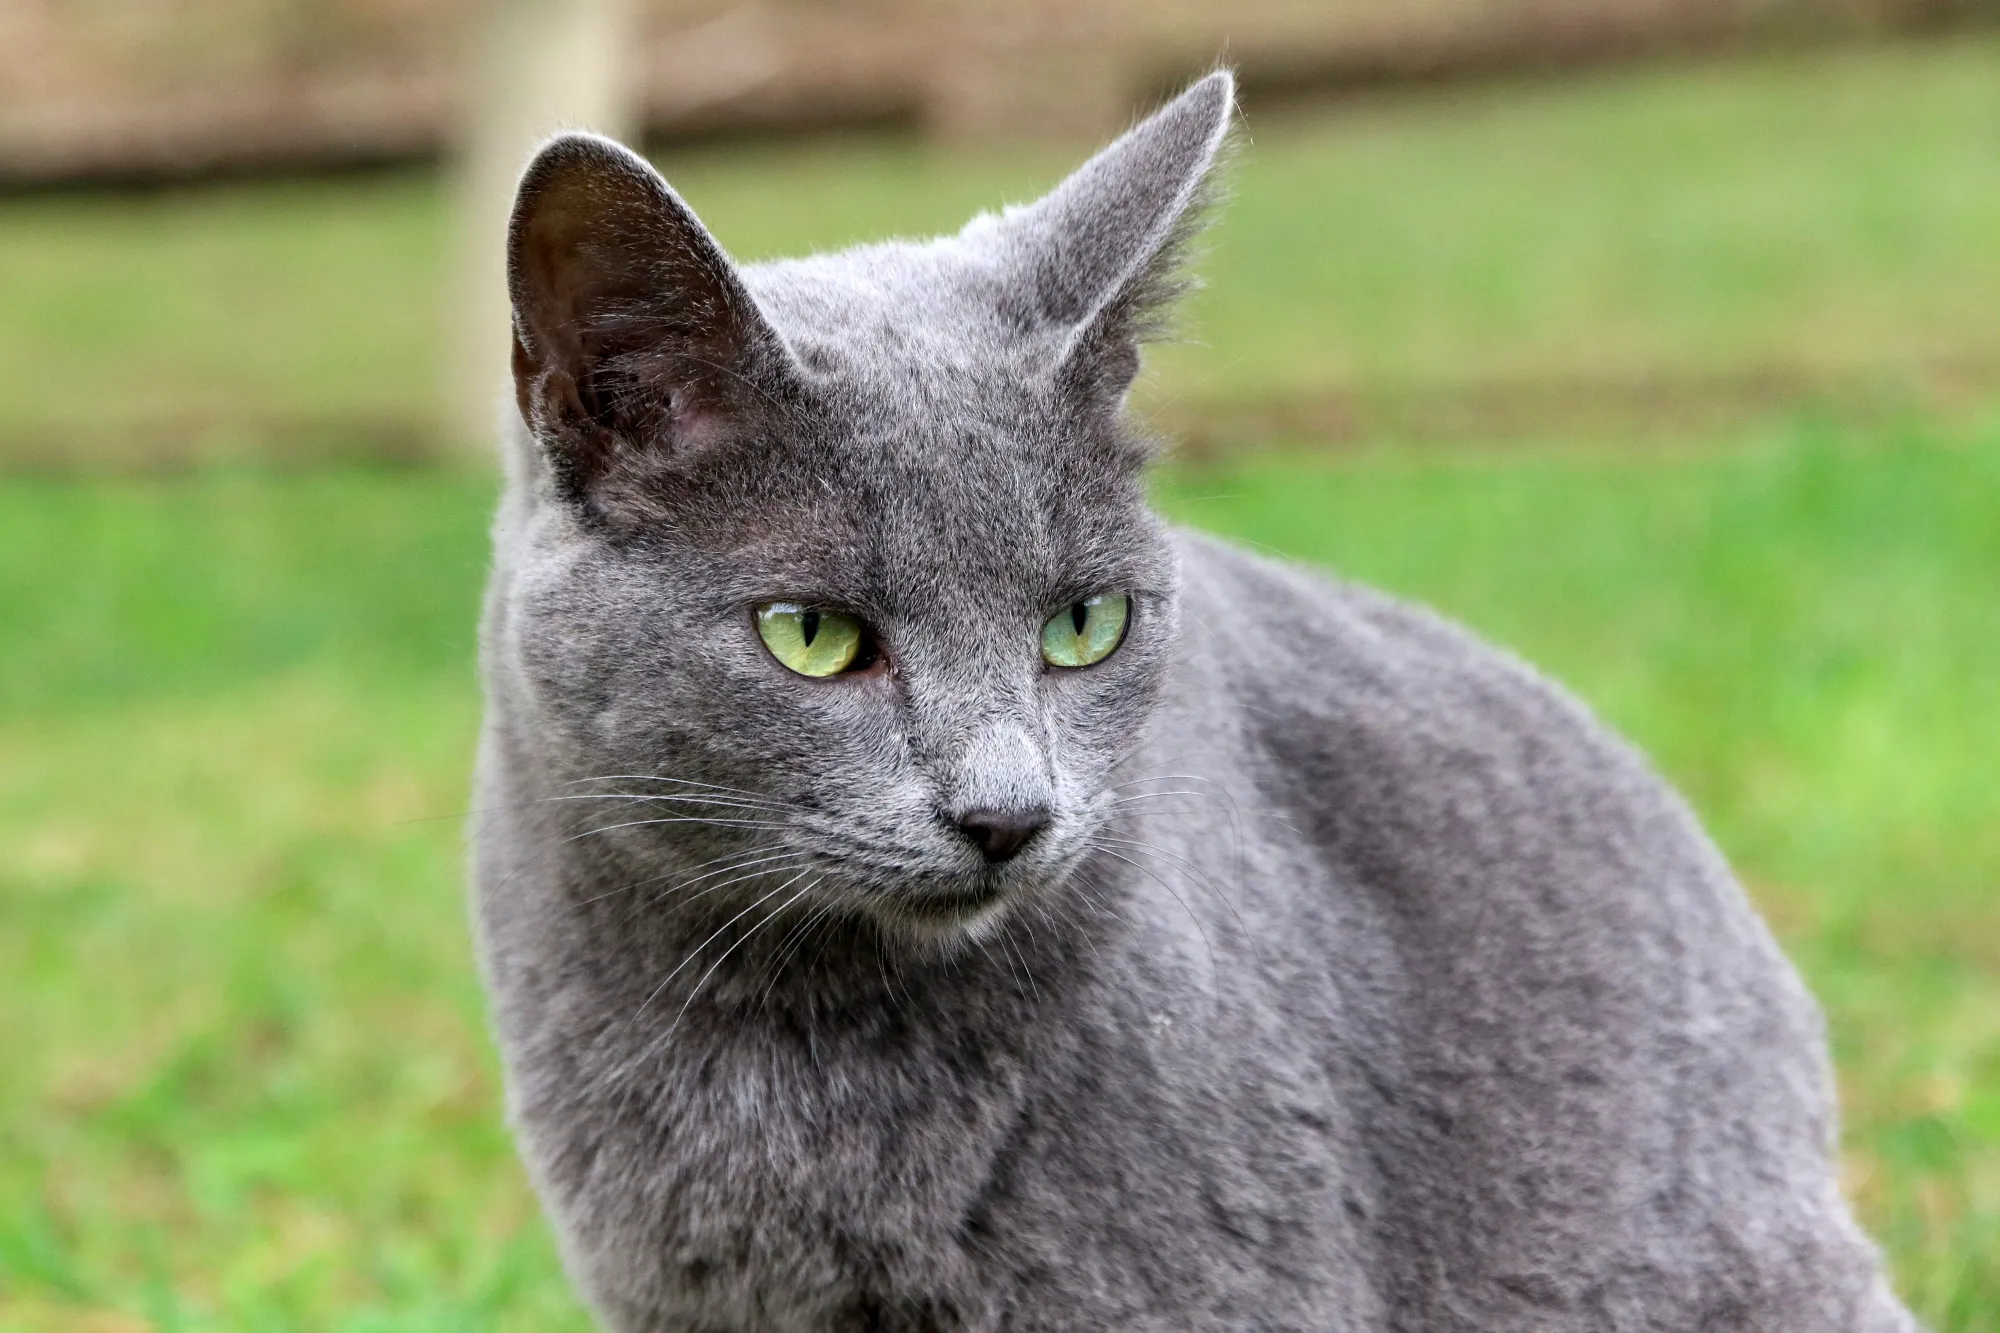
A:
{"x": 809, "y": 640}
{"x": 1087, "y": 631}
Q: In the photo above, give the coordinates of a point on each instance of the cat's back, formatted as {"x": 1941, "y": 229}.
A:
{"x": 1604, "y": 1091}
{"x": 1431, "y": 768}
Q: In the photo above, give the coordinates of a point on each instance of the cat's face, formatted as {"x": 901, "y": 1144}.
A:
{"x": 838, "y": 587}
{"x": 897, "y": 782}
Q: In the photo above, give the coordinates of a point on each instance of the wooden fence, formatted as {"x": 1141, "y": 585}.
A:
{"x": 148, "y": 89}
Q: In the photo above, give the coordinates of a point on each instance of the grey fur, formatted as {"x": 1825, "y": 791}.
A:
{"x": 1361, "y": 982}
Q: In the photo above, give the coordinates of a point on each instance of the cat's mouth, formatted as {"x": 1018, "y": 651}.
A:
{"x": 956, "y": 903}
{"x": 941, "y": 913}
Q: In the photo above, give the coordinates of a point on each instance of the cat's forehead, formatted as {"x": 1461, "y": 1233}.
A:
{"x": 895, "y": 509}
{"x": 931, "y": 318}
{"x": 935, "y": 414}
{"x": 934, "y": 449}
{"x": 933, "y": 452}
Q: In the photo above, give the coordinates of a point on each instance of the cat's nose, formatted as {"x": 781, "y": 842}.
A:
{"x": 998, "y": 834}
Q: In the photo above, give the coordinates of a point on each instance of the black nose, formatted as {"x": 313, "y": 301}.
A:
{"x": 998, "y": 834}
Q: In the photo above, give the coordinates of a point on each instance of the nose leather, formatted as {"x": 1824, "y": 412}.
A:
{"x": 998, "y": 834}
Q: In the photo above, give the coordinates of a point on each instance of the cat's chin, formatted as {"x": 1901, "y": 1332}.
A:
{"x": 949, "y": 919}
{"x": 947, "y": 913}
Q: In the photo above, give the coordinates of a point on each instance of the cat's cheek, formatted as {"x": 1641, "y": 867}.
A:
{"x": 820, "y": 730}
{"x": 1096, "y": 725}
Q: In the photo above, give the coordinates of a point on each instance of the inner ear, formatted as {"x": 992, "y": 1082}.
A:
{"x": 634, "y": 337}
{"x": 1100, "y": 255}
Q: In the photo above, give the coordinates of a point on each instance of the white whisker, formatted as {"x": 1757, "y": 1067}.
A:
{"x": 678, "y": 819}
{"x": 1214, "y": 970}
{"x": 696, "y": 951}
{"x": 773, "y": 915}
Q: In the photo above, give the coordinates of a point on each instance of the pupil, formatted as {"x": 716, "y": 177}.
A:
{"x": 809, "y": 626}
{"x": 1079, "y": 615}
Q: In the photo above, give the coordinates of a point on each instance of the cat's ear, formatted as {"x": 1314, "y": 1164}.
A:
{"x": 634, "y": 338}
{"x": 1100, "y": 255}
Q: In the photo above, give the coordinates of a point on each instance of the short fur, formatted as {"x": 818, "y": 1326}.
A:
{"x": 1360, "y": 981}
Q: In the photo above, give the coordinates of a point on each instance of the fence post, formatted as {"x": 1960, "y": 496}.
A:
{"x": 536, "y": 66}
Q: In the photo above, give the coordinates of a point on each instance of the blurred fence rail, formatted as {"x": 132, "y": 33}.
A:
{"x": 165, "y": 89}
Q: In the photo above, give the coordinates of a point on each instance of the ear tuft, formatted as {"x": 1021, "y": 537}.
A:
{"x": 633, "y": 335}
{"x": 1102, "y": 253}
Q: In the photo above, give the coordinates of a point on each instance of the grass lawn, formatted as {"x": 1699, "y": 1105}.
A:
{"x": 1666, "y": 241}
{"x": 247, "y": 1085}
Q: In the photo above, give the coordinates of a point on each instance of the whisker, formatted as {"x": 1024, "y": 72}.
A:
{"x": 773, "y": 915}
{"x": 1047, "y": 912}
{"x": 678, "y": 782}
{"x": 745, "y": 802}
{"x": 795, "y": 940}
{"x": 1223, "y": 794}
{"x": 882, "y": 971}
{"x": 1189, "y": 867}
{"x": 778, "y": 867}
{"x": 1213, "y": 969}
{"x": 1163, "y": 777}
{"x": 1220, "y": 793}
{"x": 1007, "y": 948}
{"x": 709, "y": 820}
{"x": 733, "y": 861}
{"x": 696, "y": 951}
{"x": 1161, "y": 795}
{"x": 729, "y": 802}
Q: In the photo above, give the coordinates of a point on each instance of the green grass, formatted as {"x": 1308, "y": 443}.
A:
{"x": 247, "y": 1085}
{"x": 1652, "y": 242}
{"x": 235, "y": 317}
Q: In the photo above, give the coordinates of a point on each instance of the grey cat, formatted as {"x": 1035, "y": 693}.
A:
{"x": 918, "y": 890}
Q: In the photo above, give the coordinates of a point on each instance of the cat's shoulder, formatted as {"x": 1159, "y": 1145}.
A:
{"x": 1279, "y": 629}
{"x": 1392, "y": 712}
{"x": 1451, "y": 777}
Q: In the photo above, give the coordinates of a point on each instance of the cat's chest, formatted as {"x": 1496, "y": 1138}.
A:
{"x": 794, "y": 1170}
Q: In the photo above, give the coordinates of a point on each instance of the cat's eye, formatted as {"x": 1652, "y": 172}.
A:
{"x": 1086, "y": 632}
{"x": 812, "y": 640}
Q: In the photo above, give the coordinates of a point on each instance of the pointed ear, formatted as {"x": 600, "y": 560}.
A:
{"x": 634, "y": 338}
{"x": 1101, "y": 253}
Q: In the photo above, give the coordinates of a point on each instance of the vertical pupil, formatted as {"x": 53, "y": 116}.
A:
{"x": 1079, "y": 615}
{"x": 809, "y": 626}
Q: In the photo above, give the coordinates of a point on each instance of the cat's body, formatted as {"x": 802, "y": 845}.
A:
{"x": 1353, "y": 978}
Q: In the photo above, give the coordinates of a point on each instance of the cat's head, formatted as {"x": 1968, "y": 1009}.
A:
{"x": 832, "y": 580}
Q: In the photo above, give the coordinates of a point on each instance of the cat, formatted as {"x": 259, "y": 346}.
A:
{"x": 918, "y": 890}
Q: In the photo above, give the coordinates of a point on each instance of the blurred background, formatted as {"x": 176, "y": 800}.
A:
{"x": 1657, "y": 339}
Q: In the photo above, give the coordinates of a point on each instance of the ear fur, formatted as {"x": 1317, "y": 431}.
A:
{"x": 1102, "y": 252}
{"x": 633, "y": 335}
